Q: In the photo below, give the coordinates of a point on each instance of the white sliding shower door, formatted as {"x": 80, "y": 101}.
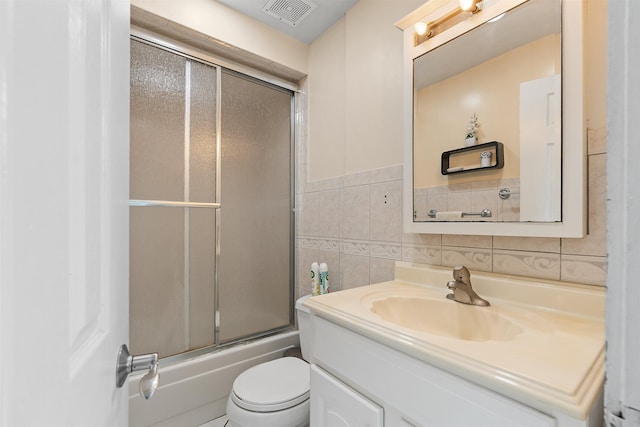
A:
{"x": 255, "y": 270}
{"x": 210, "y": 238}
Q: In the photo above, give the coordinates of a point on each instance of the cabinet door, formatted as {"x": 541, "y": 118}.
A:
{"x": 334, "y": 404}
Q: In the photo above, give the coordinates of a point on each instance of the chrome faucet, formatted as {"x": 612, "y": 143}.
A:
{"x": 461, "y": 286}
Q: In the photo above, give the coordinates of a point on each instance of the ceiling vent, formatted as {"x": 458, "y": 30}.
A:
{"x": 291, "y": 12}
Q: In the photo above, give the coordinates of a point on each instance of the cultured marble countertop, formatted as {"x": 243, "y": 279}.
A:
{"x": 549, "y": 353}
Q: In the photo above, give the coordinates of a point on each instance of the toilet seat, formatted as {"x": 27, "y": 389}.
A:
{"x": 272, "y": 386}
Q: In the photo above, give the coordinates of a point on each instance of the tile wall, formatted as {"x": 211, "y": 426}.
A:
{"x": 354, "y": 224}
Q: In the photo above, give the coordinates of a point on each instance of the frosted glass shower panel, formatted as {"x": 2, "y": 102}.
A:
{"x": 255, "y": 224}
{"x": 202, "y": 266}
{"x": 157, "y": 123}
{"x": 157, "y": 278}
{"x": 173, "y": 159}
{"x": 202, "y": 133}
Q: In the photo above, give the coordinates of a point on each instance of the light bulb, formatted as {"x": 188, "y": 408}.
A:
{"x": 467, "y": 5}
{"x": 421, "y": 28}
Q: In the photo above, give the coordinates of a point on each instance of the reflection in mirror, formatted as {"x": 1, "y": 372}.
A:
{"x": 496, "y": 86}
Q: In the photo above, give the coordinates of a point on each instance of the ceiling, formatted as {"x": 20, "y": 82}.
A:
{"x": 304, "y": 20}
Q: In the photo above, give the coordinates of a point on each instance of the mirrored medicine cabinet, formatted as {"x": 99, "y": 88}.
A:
{"x": 494, "y": 122}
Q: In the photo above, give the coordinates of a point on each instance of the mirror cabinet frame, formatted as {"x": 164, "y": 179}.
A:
{"x": 574, "y": 150}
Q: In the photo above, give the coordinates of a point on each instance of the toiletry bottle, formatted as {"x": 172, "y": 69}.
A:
{"x": 315, "y": 279}
{"x": 324, "y": 278}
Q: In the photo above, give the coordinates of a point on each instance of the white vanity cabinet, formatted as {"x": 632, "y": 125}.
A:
{"x": 357, "y": 381}
{"x": 337, "y": 405}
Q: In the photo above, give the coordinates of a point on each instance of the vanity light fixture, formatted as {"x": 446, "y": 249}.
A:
{"x": 425, "y": 30}
{"x": 469, "y": 5}
{"x": 428, "y": 28}
{"x": 421, "y": 28}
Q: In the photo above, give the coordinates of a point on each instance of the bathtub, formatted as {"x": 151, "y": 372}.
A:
{"x": 195, "y": 391}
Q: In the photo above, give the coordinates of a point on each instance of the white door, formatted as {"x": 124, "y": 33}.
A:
{"x": 64, "y": 148}
{"x": 622, "y": 388}
{"x": 336, "y": 405}
{"x": 541, "y": 149}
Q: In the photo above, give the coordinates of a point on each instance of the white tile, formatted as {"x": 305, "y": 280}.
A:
{"x": 594, "y": 243}
{"x": 466, "y": 241}
{"x": 420, "y": 208}
{"x": 354, "y": 270}
{"x": 509, "y": 209}
{"x": 328, "y": 215}
{"x": 354, "y": 212}
{"x": 386, "y": 211}
{"x": 381, "y": 270}
{"x": 359, "y": 178}
{"x": 459, "y": 201}
{"x": 422, "y": 239}
{"x": 484, "y": 199}
{"x": 538, "y": 244}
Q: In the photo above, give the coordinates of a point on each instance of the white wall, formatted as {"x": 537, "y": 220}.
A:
{"x": 355, "y": 91}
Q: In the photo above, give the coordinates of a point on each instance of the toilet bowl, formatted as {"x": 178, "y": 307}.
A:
{"x": 274, "y": 393}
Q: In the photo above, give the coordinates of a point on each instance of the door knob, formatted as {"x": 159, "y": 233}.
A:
{"x": 127, "y": 363}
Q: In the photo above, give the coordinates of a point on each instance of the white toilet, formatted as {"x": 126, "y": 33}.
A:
{"x": 275, "y": 393}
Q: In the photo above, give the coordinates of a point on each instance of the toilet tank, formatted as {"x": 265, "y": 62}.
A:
{"x": 303, "y": 327}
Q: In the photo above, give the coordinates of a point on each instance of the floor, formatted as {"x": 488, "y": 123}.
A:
{"x": 218, "y": 422}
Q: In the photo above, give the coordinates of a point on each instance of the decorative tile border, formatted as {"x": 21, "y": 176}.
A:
{"x": 386, "y": 250}
{"x": 424, "y": 254}
{"x": 583, "y": 269}
{"x": 323, "y": 244}
{"x": 533, "y": 264}
{"x": 354, "y": 247}
{"x": 472, "y": 258}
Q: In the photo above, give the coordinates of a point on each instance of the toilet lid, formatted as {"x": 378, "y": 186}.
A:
{"x": 272, "y": 386}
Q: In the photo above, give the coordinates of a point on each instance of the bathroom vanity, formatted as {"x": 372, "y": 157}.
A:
{"x": 400, "y": 353}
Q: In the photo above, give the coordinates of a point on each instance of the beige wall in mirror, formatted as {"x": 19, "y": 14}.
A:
{"x": 489, "y": 90}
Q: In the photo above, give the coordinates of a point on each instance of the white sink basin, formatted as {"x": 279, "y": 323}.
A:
{"x": 542, "y": 341}
{"x": 446, "y": 318}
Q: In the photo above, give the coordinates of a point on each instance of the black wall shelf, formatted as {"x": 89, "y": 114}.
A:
{"x": 497, "y": 161}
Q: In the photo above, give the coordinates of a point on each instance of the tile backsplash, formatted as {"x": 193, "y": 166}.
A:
{"x": 354, "y": 224}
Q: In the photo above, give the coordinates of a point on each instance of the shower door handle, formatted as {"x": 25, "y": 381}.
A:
{"x": 127, "y": 363}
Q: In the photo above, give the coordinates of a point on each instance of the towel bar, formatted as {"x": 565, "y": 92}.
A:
{"x": 484, "y": 213}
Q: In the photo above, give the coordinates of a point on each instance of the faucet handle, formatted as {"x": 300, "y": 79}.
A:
{"x": 461, "y": 274}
